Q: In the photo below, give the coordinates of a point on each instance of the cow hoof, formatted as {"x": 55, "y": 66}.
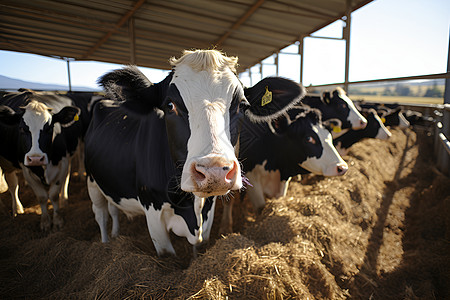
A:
{"x": 58, "y": 222}
{"x": 46, "y": 225}
{"x": 225, "y": 230}
{"x": 63, "y": 202}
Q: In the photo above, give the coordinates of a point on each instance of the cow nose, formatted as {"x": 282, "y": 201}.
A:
{"x": 214, "y": 176}
{"x": 363, "y": 124}
{"x": 35, "y": 160}
{"x": 341, "y": 169}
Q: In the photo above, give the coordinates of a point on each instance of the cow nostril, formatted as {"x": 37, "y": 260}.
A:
{"x": 196, "y": 173}
{"x": 232, "y": 173}
{"x": 342, "y": 169}
{"x": 42, "y": 159}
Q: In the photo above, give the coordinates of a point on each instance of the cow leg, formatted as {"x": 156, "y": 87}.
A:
{"x": 64, "y": 199}
{"x": 284, "y": 185}
{"x": 255, "y": 192}
{"x": 114, "y": 213}
{"x": 80, "y": 156}
{"x": 13, "y": 186}
{"x": 100, "y": 209}
{"x": 54, "y": 191}
{"x": 158, "y": 232}
{"x": 226, "y": 224}
{"x": 42, "y": 197}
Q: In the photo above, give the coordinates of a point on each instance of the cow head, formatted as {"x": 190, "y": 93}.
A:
{"x": 311, "y": 144}
{"x": 202, "y": 102}
{"x": 375, "y": 127}
{"x": 38, "y": 128}
{"x": 394, "y": 117}
{"x": 342, "y": 108}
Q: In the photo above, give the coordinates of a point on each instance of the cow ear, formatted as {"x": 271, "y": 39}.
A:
{"x": 66, "y": 116}
{"x": 8, "y": 116}
{"x": 271, "y": 97}
{"x": 131, "y": 87}
{"x": 326, "y": 97}
{"x": 279, "y": 125}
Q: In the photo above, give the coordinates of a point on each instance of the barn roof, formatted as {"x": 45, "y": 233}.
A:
{"x": 101, "y": 30}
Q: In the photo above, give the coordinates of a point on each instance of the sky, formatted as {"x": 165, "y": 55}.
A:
{"x": 389, "y": 38}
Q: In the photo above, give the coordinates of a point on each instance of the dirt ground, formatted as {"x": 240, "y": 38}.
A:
{"x": 381, "y": 231}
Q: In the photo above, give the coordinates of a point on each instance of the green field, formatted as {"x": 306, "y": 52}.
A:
{"x": 397, "y": 99}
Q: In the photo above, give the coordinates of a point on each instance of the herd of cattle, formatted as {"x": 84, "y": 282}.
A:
{"x": 168, "y": 150}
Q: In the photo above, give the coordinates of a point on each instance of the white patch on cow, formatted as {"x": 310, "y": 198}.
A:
{"x": 35, "y": 117}
{"x": 383, "y": 132}
{"x": 403, "y": 123}
{"x": 329, "y": 163}
{"x": 340, "y": 150}
{"x": 159, "y": 221}
{"x": 265, "y": 183}
{"x": 207, "y": 95}
{"x": 356, "y": 119}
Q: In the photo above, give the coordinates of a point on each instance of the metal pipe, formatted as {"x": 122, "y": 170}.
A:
{"x": 68, "y": 73}
{"x": 346, "y": 36}
{"x": 445, "y": 142}
{"x": 301, "y": 51}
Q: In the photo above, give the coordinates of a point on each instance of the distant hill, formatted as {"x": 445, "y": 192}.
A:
{"x": 11, "y": 84}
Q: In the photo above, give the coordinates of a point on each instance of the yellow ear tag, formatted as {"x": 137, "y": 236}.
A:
{"x": 76, "y": 118}
{"x": 383, "y": 120}
{"x": 267, "y": 97}
{"x": 337, "y": 129}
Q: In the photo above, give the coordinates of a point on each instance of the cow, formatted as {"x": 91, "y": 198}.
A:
{"x": 295, "y": 143}
{"x": 390, "y": 114}
{"x": 166, "y": 150}
{"x": 374, "y": 129}
{"x": 394, "y": 118}
{"x": 337, "y": 110}
{"x": 39, "y": 133}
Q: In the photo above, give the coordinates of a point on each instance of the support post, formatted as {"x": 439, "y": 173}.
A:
{"x": 447, "y": 80}
{"x": 301, "y": 50}
{"x": 346, "y": 36}
{"x": 68, "y": 73}
{"x": 276, "y": 63}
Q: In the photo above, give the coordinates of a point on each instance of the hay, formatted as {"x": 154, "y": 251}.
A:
{"x": 381, "y": 231}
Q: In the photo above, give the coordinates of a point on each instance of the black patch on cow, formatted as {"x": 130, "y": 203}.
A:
{"x": 284, "y": 93}
{"x": 285, "y": 149}
{"x": 351, "y": 137}
{"x": 40, "y": 173}
{"x": 331, "y": 106}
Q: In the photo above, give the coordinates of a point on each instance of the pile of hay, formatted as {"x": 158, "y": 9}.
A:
{"x": 381, "y": 231}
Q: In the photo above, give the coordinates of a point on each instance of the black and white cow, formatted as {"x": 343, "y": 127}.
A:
{"x": 167, "y": 149}
{"x": 374, "y": 129}
{"x": 395, "y": 118}
{"x": 296, "y": 143}
{"x": 338, "y": 110}
{"x": 39, "y": 132}
{"x": 390, "y": 114}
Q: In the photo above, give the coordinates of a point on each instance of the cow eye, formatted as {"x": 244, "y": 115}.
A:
{"x": 311, "y": 140}
{"x": 171, "y": 107}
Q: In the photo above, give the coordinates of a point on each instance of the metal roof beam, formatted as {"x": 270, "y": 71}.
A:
{"x": 239, "y": 22}
{"x": 119, "y": 24}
